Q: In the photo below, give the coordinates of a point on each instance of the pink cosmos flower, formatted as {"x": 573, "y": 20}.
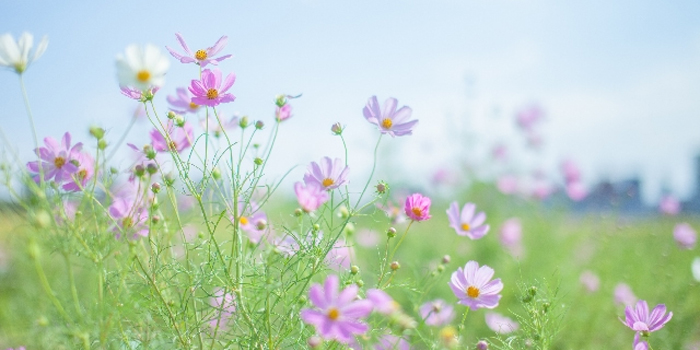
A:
{"x": 336, "y": 315}
{"x": 340, "y": 256}
{"x": 180, "y": 138}
{"x": 286, "y": 245}
{"x": 224, "y": 306}
{"x": 542, "y": 190}
{"x": 669, "y": 205}
{"x": 388, "y": 119}
{"x": 501, "y": 324}
{"x": 511, "y": 236}
{"x": 393, "y": 212}
{"x": 310, "y": 196}
{"x": 200, "y": 57}
{"x": 392, "y": 342}
{"x": 329, "y": 174}
{"x": 383, "y": 303}
{"x": 417, "y": 207}
{"x": 507, "y": 184}
{"x": 130, "y": 216}
{"x": 56, "y": 161}
{"x": 590, "y": 280}
{"x": 212, "y": 125}
{"x": 624, "y": 295}
{"x": 283, "y": 113}
{"x": 640, "y": 320}
{"x": 685, "y": 236}
{"x": 209, "y": 91}
{"x": 474, "y": 288}
{"x": 437, "y": 312}
{"x": 576, "y": 191}
{"x": 639, "y": 344}
{"x": 528, "y": 117}
{"x": 465, "y": 222}
{"x": 570, "y": 171}
{"x": 182, "y": 103}
{"x": 136, "y": 94}
{"x": 86, "y": 170}
{"x": 255, "y": 226}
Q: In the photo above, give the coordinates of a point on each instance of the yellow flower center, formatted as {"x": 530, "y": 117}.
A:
{"x": 143, "y": 76}
{"x": 200, "y": 55}
{"x": 127, "y": 223}
{"x": 172, "y": 145}
{"x": 193, "y": 105}
{"x": 417, "y": 211}
{"x": 387, "y": 123}
{"x": 473, "y": 292}
{"x": 333, "y": 314}
{"x": 327, "y": 182}
{"x": 212, "y": 94}
{"x": 59, "y": 162}
{"x": 465, "y": 227}
{"x": 243, "y": 220}
{"x": 82, "y": 174}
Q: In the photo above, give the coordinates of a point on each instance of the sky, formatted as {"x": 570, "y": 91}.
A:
{"x": 619, "y": 81}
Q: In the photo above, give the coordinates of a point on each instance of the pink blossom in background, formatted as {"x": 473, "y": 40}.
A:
{"x": 200, "y": 57}
{"x": 393, "y": 212}
{"x": 329, "y": 174}
{"x": 367, "y": 238}
{"x": 534, "y": 140}
{"x": 474, "y": 288}
{"x": 511, "y": 232}
{"x": 388, "y": 119}
{"x": 639, "y": 319}
{"x": 500, "y": 324}
{"x": 224, "y": 308}
{"x": 499, "y": 152}
{"x": 211, "y": 90}
{"x": 57, "y": 161}
{"x": 507, "y": 184}
{"x": 130, "y": 217}
{"x": 624, "y": 295}
{"x": 685, "y": 236}
{"x": 212, "y": 125}
{"x": 283, "y": 113}
{"x": 669, "y": 205}
{"x": 590, "y": 281}
{"x": 639, "y": 344}
{"x": 528, "y": 117}
{"x": 437, "y": 313}
{"x": 180, "y": 138}
{"x": 255, "y": 226}
{"x": 576, "y": 191}
{"x": 310, "y": 196}
{"x": 444, "y": 176}
{"x": 570, "y": 171}
{"x": 382, "y": 302}
{"x": 285, "y": 245}
{"x": 340, "y": 256}
{"x": 336, "y": 315}
{"x": 542, "y": 190}
{"x": 182, "y": 103}
{"x": 392, "y": 342}
{"x": 467, "y": 222}
{"x": 417, "y": 207}
{"x": 136, "y": 94}
{"x": 86, "y": 170}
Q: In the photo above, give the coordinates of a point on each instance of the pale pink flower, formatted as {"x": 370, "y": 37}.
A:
{"x": 507, "y": 184}
{"x": 138, "y": 95}
{"x": 474, "y": 288}
{"x": 57, "y": 161}
{"x": 86, "y": 170}
{"x": 590, "y": 281}
{"x": 211, "y": 90}
{"x": 576, "y": 191}
{"x": 570, "y": 171}
{"x": 527, "y": 117}
{"x": 224, "y": 306}
{"x": 437, "y": 313}
{"x": 500, "y": 324}
{"x": 310, "y": 196}
{"x": 393, "y": 212}
{"x": 639, "y": 319}
{"x": 382, "y": 302}
{"x": 182, "y": 103}
{"x": 340, "y": 256}
{"x": 624, "y": 295}
{"x": 283, "y": 113}
{"x": 467, "y": 222}
{"x": 201, "y": 57}
{"x": 329, "y": 174}
{"x": 388, "y": 119}
{"x": 669, "y": 205}
{"x": 180, "y": 138}
{"x": 685, "y": 236}
{"x": 392, "y": 342}
{"x": 511, "y": 232}
{"x": 130, "y": 216}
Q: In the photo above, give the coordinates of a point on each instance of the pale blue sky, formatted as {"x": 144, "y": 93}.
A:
{"x": 620, "y": 81}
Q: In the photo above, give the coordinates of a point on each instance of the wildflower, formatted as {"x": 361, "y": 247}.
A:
{"x": 254, "y": 225}
{"x": 211, "y": 124}
{"x": 336, "y": 315}
{"x": 511, "y": 233}
{"x": 388, "y": 119}
{"x": 639, "y": 344}
{"x": 482, "y": 345}
{"x": 624, "y": 295}
{"x": 393, "y": 212}
{"x": 639, "y": 319}
{"x": 329, "y": 174}
{"x": 465, "y": 222}
{"x": 200, "y": 57}
{"x": 182, "y": 103}
{"x": 130, "y": 216}
{"x": 685, "y": 236}
{"x": 209, "y": 91}
{"x": 310, "y": 196}
{"x": 56, "y": 161}
{"x": 576, "y": 191}
{"x": 179, "y": 138}
{"x": 590, "y": 281}
{"x": 286, "y": 245}
{"x": 501, "y": 324}
{"x": 473, "y": 287}
{"x": 417, "y": 207}
{"x": 437, "y": 313}
{"x": 86, "y": 170}
{"x": 382, "y": 302}
{"x": 15, "y": 54}
{"x": 283, "y": 113}
{"x": 224, "y": 306}
{"x": 143, "y": 67}
{"x": 138, "y": 95}
{"x": 669, "y": 205}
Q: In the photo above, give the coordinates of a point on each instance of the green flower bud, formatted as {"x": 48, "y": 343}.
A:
{"x": 258, "y": 161}
{"x": 354, "y": 269}
{"x": 391, "y": 232}
{"x": 337, "y": 128}
{"x": 97, "y": 132}
{"x": 179, "y": 121}
{"x": 298, "y": 212}
{"x": 243, "y": 123}
{"x": 102, "y": 144}
{"x": 155, "y": 188}
{"x": 151, "y": 168}
{"x": 360, "y": 283}
{"x": 216, "y": 174}
{"x": 281, "y": 100}
{"x": 316, "y": 227}
{"x": 171, "y": 115}
{"x": 343, "y": 212}
{"x": 395, "y": 265}
{"x": 259, "y": 125}
{"x": 382, "y": 187}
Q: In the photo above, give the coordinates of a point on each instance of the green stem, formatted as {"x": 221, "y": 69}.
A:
{"x": 374, "y": 166}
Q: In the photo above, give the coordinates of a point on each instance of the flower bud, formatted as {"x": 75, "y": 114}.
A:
{"x": 391, "y": 232}
{"x": 216, "y": 174}
{"x": 102, "y": 144}
{"x": 440, "y": 268}
{"x": 381, "y": 187}
{"x": 343, "y": 212}
{"x": 545, "y": 307}
{"x": 349, "y": 229}
{"x": 113, "y": 171}
{"x": 155, "y": 188}
{"x": 258, "y": 161}
{"x": 395, "y": 265}
{"x": 259, "y": 125}
{"x": 139, "y": 170}
{"x": 360, "y": 283}
{"x": 314, "y": 342}
{"x": 261, "y": 224}
{"x": 168, "y": 180}
{"x": 298, "y": 212}
{"x": 179, "y": 121}
{"x": 532, "y": 291}
{"x": 315, "y": 227}
{"x": 482, "y": 345}
{"x": 155, "y": 219}
{"x": 446, "y": 259}
{"x": 151, "y": 168}
{"x": 149, "y": 152}
{"x": 281, "y": 100}
{"x": 97, "y": 132}
{"x": 171, "y": 115}
{"x": 354, "y": 269}
{"x": 337, "y": 128}
{"x": 243, "y": 123}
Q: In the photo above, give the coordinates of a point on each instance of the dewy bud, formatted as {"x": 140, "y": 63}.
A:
{"x": 97, "y": 132}
{"x": 354, "y": 269}
{"x": 139, "y": 170}
{"x": 155, "y": 219}
{"x": 395, "y": 265}
{"x": 179, "y": 121}
{"x": 314, "y": 342}
{"x": 259, "y": 125}
{"x": 243, "y": 123}
{"x": 261, "y": 224}
{"x": 360, "y": 283}
{"x": 102, "y": 144}
{"x": 316, "y": 227}
{"x": 337, "y": 128}
{"x": 391, "y": 232}
{"x": 280, "y": 101}
{"x": 298, "y": 212}
{"x": 171, "y": 115}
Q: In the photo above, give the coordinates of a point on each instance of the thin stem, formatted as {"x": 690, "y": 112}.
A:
{"x": 29, "y": 111}
{"x": 123, "y": 137}
{"x": 374, "y": 166}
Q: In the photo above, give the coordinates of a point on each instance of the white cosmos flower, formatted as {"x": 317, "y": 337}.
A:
{"x": 143, "y": 67}
{"x": 15, "y": 54}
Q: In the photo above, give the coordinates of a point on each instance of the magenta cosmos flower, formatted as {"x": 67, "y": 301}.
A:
{"x": 465, "y": 222}
{"x": 209, "y": 91}
{"x": 474, "y": 288}
{"x": 417, "y": 207}
{"x": 437, "y": 312}
{"x": 685, "y": 236}
{"x": 336, "y": 315}
{"x": 200, "y": 57}
{"x": 180, "y": 138}
{"x": 57, "y": 161}
{"x": 329, "y": 174}
{"x": 310, "y": 196}
{"x": 182, "y": 103}
{"x": 639, "y": 319}
{"x": 388, "y": 119}
{"x": 283, "y": 113}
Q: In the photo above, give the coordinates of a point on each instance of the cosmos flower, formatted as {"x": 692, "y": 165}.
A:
{"x": 393, "y": 212}
{"x": 336, "y": 315}
{"x": 138, "y": 95}
{"x": 465, "y": 222}
{"x": 86, "y": 170}
{"x": 685, "y": 236}
{"x": 437, "y": 312}
{"x": 576, "y": 191}
{"x": 639, "y": 344}
{"x": 329, "y": 174}
{"x": 211, "y": 90}
{"x": 640, "y": 320}
{"x": 182, "y": 103}
{"x": 180, "y": 138}
{"x": 528, "y": 117}
{"x": 57, "y": 161}
{"x": 130, "y": 216}
{"x": 143, "y": 67}
{"x": 226, "y": 304}
{"x": 507, "y": 184}
{"x": 388, "y": 119}
{"x": 255, "y": 226}
{"x": 15, "y": 54}
{"x": 200, "y": 57}
{"x": 669, "y": 205}
{"x": 570, "y": 171}
{"x": 310, "y": 196}
{"x": 511, "y": 233}
{"x": 212, "y": 125}
{"x": 383, "y": 303}
{"x": 392, "y": 342}
{"x": 417, "y": 207}
{"x": 474, "y": 288}
{"x": 500, "y": 324}
{"x": 283, "y": 113}
{"x": 340, "y": 256}
{"x": 590, "y": 280}
{"x": 624, "y": 295}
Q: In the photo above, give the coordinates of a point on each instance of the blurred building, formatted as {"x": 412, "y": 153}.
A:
{"x": 620, "y": 196}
